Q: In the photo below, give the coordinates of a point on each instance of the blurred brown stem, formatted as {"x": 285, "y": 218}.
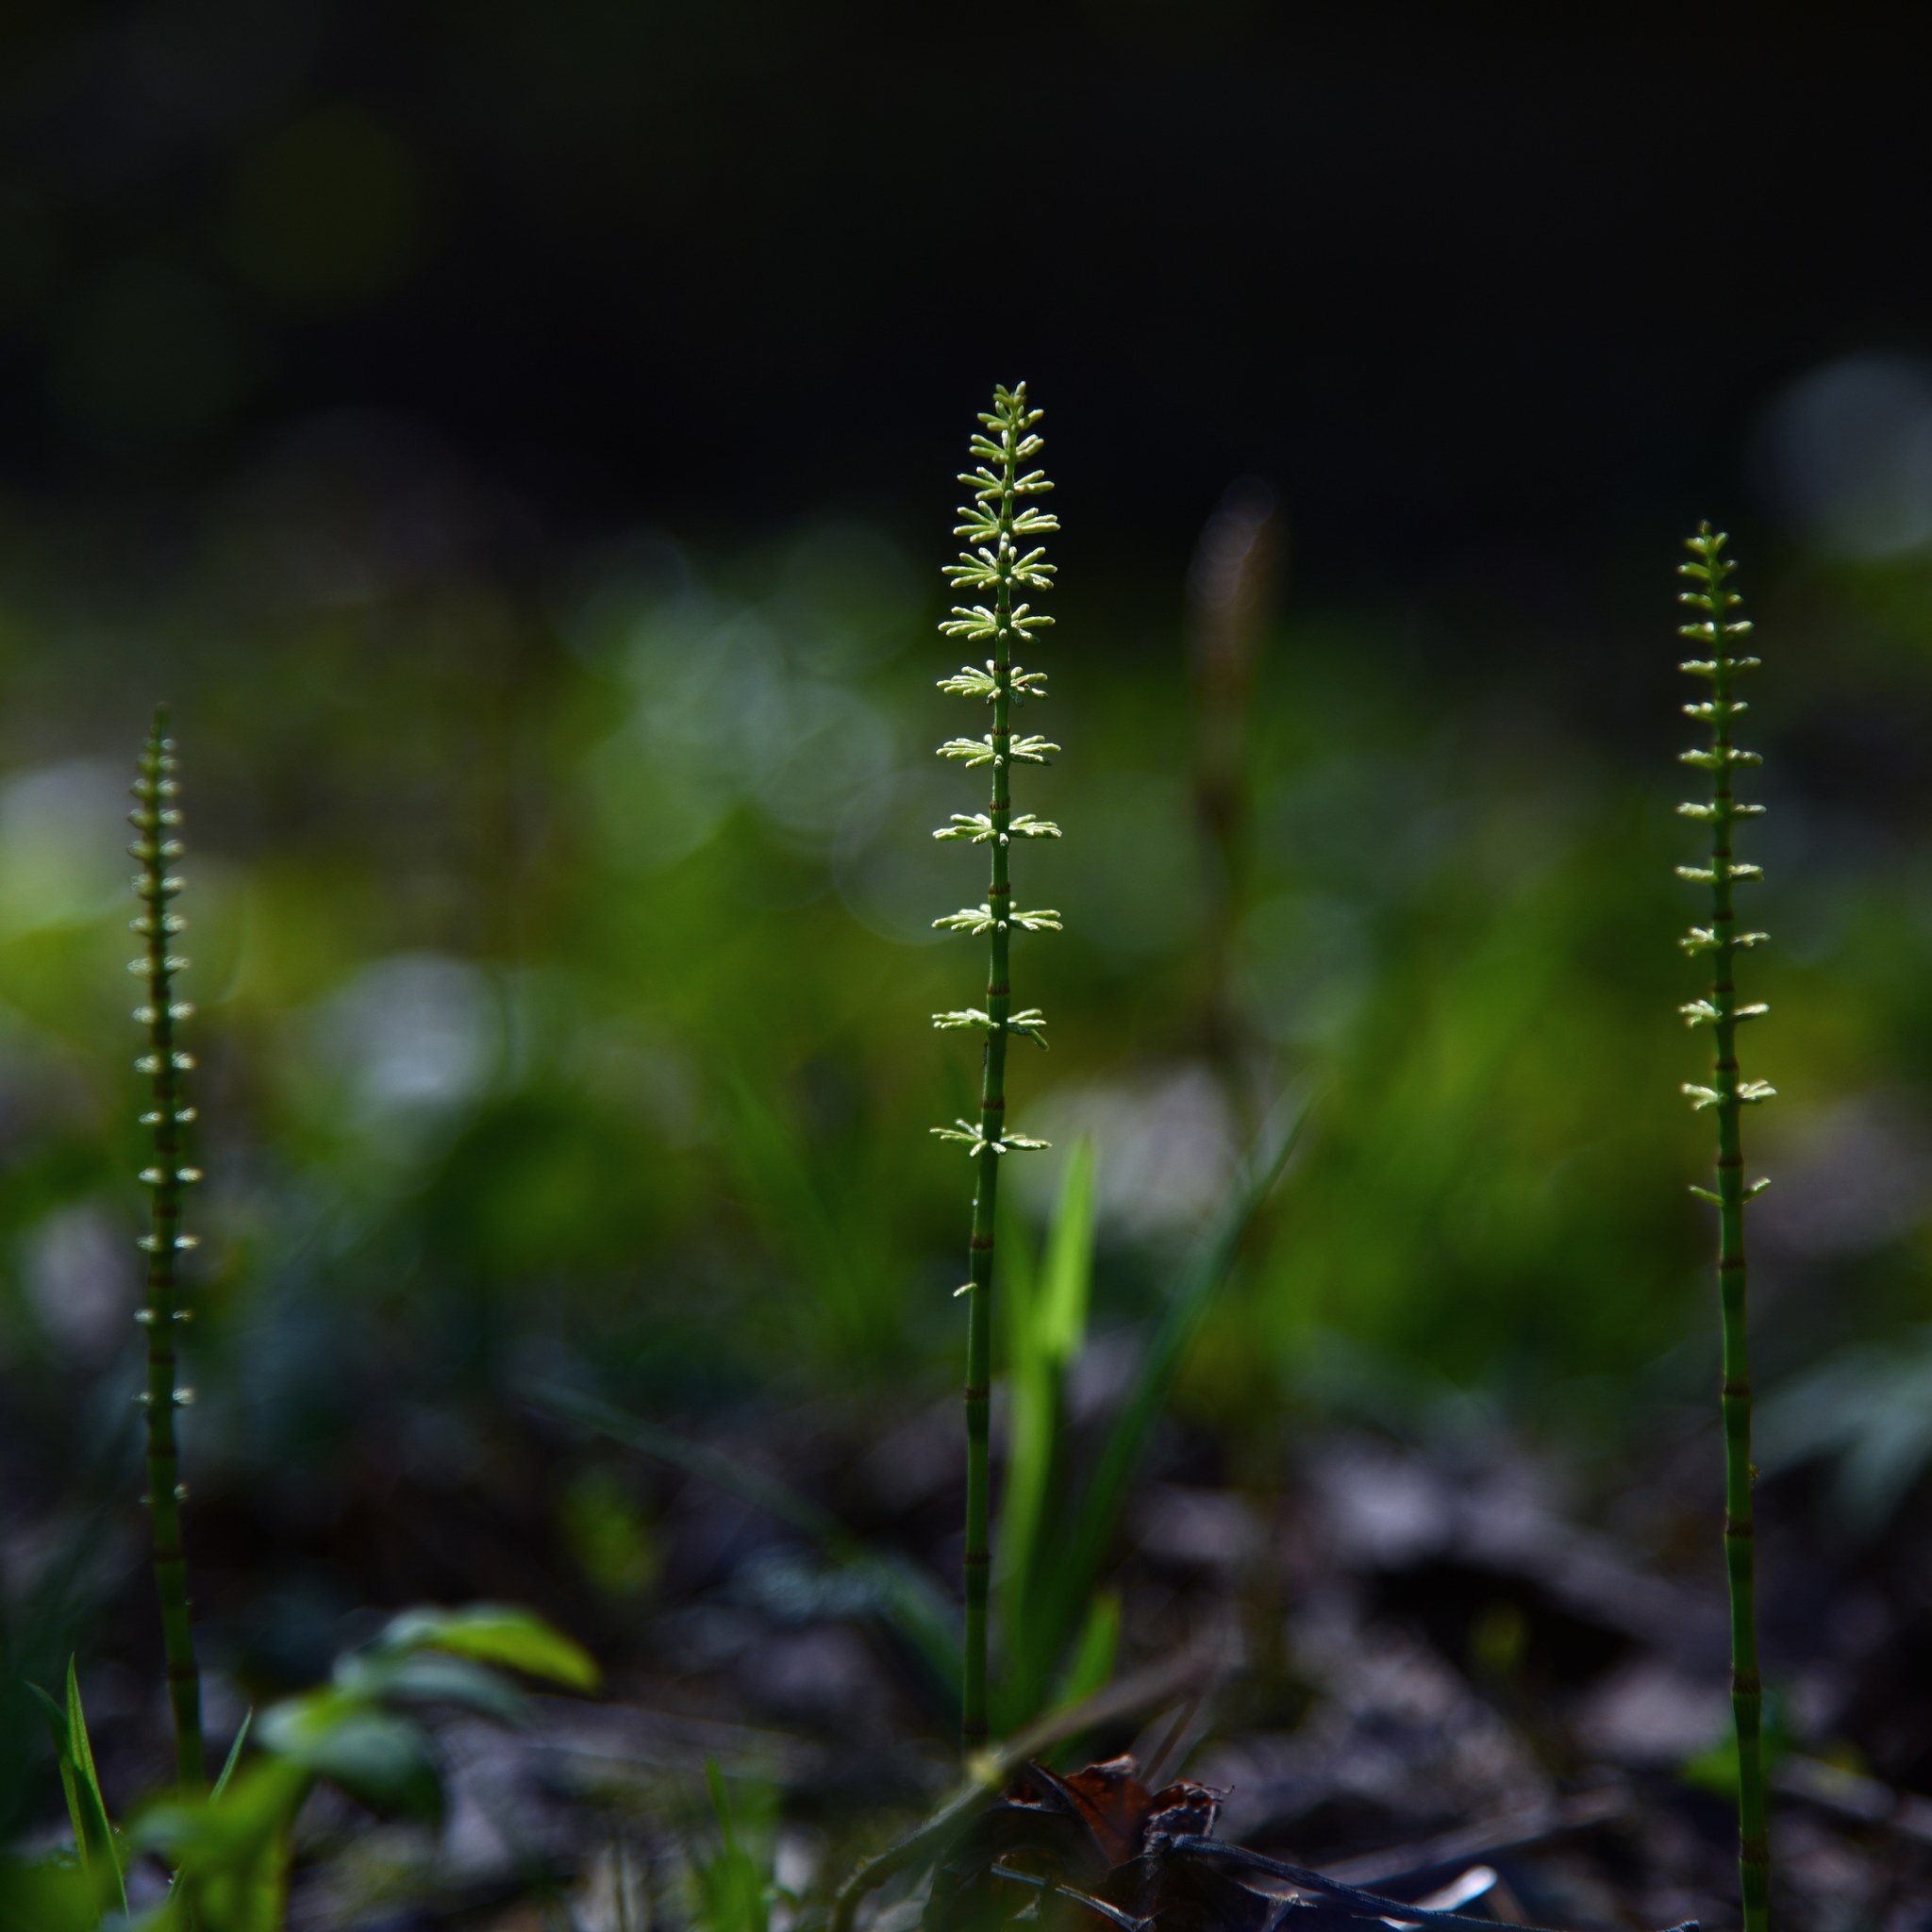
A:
{"x": 1231, "y": 592}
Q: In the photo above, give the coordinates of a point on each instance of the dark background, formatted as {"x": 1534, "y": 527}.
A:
{"x": 1486, "y": 292}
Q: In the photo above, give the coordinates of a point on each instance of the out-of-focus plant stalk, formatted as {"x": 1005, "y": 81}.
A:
{"x": 1716, "y": 632}
{"x": 994, "y": 524}
{"x": 156, "y": 819}
{"x": 1231, "y": 589}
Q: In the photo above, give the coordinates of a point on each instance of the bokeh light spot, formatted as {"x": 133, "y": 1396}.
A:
{"x": 1848, "y": 452}
{"x": 329, "y": 212}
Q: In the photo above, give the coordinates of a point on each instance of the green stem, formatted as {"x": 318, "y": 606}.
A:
{"x": 1725, "y": 1016}
{"x": 991, "y": 521}
{"x": 1740, "y": 1561}
{"x": 154, "y": 818}
{"x": 992, "y": 1115}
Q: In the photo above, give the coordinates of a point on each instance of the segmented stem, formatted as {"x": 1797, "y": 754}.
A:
{"x": 998, "y": 517}
{"x": 156, "y": 818}
{"x": 1728, "y": 1097}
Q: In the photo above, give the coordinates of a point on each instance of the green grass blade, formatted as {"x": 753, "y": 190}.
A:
{"x": 100, "y": 1841}
{"x": 1061, "y": 1604}
{"x": 1031, "y": 1427}
{"x": 1095, "y": 1653}
{"x": 63, "y": 1757}
{"x": 1068, "y": 1274}
{"x": 1045, "y": 1317}
{"x": 231, "y": 1859}
{"x": 1019, "y": 1291}
{"x": 720, "y": 1805}
{"x": 234, "y": 1757}
{"x": 731, "y": 1887}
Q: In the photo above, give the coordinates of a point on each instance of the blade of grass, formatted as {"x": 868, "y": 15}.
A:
{"x": 1094, "y": 1654}
{"x": 1080, "y": 1555}
{"x": 732, "y": 1885}
{"x": 234, "y": 1757}
{"x": 63, "y": 1758}
{"x": 1069, "y": 1274}
{"x": 86, "y": 1810}
{"x": 93, "y": 1806}
{"x": 1046, "y": 1324}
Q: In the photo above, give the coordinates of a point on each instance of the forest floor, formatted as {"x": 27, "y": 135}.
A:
{"x": 1414, "y": 1672}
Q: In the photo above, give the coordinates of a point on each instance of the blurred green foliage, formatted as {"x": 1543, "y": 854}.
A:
{"x": 562, "y": 969}
{"x": 228, "y": 1847}
{"x": 734, "y": 1887}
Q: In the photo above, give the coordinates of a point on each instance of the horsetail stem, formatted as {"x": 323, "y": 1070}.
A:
{"x": 156, "y": 819}
{"x": 994, "y": 524}
{"x": 1716, "y": 632}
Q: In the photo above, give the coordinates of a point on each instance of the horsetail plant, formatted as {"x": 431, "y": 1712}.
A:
{"x": 994, "y": 524}
{"x": 156, "y": 819}
{"x": 1717, "y": 632}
